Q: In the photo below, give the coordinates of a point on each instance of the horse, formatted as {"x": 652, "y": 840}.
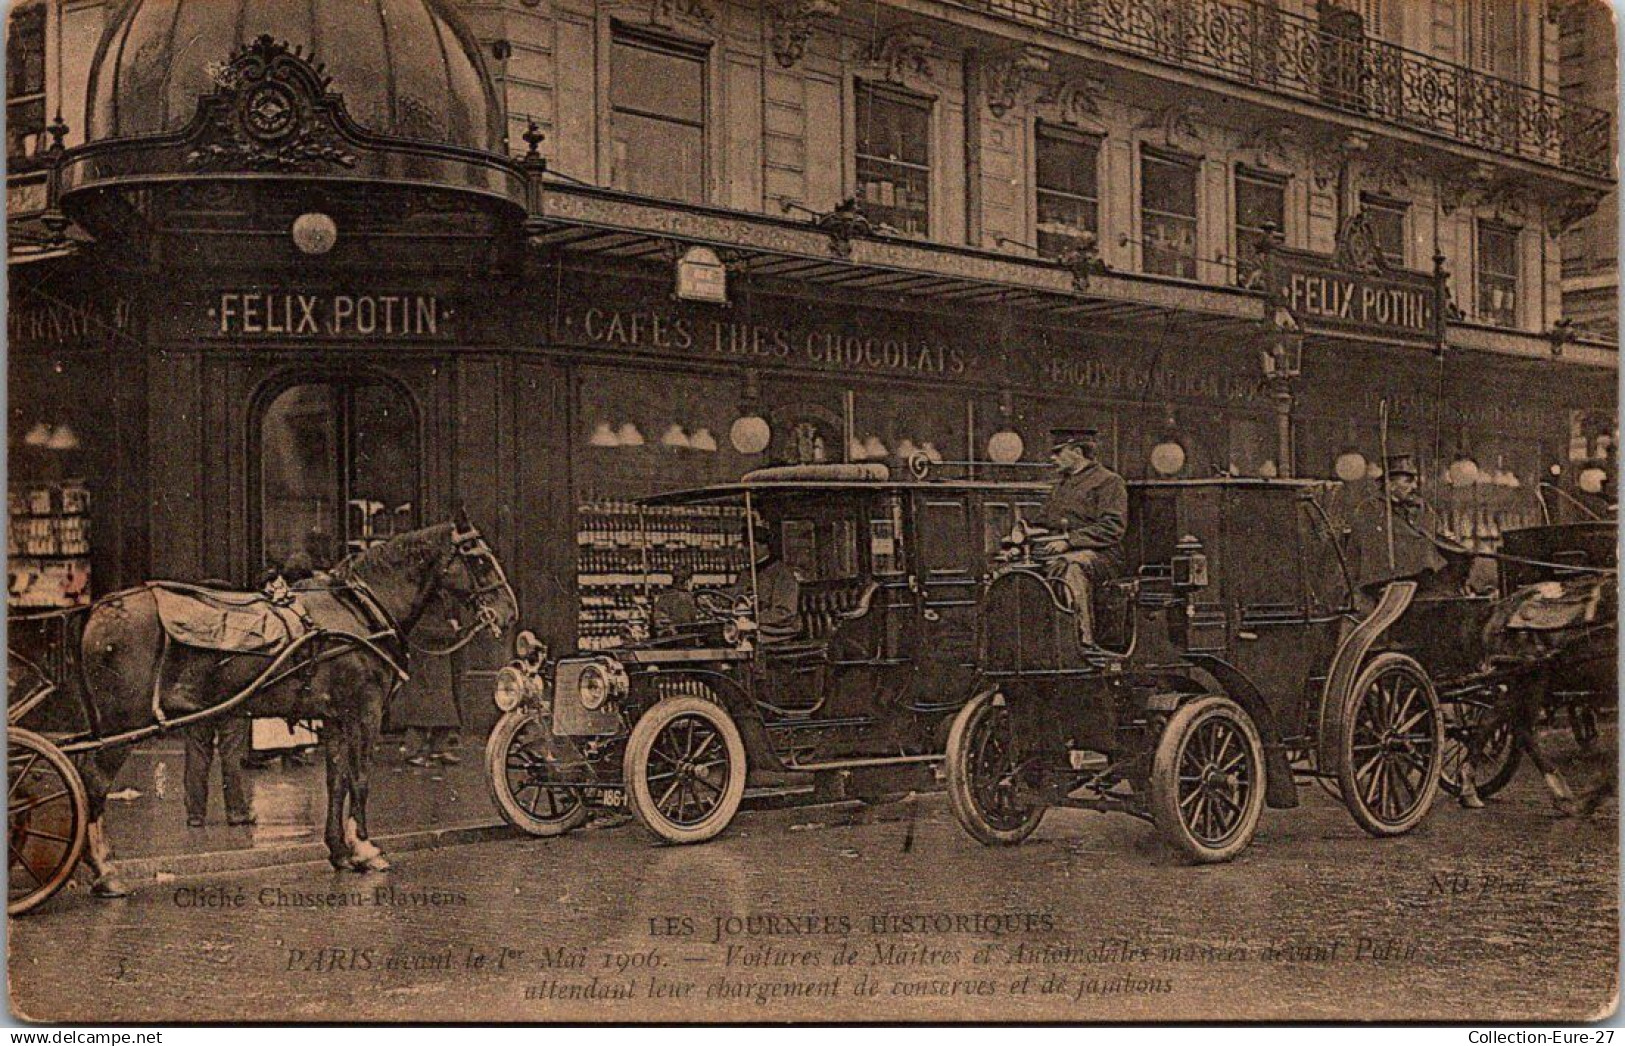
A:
{"x": 134, "y": 676}
{"x": 1537, "y": 637}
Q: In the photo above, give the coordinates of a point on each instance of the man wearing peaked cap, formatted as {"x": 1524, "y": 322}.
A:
{"x": 1393, "y": 534}
{"x": 1086, "y": 515}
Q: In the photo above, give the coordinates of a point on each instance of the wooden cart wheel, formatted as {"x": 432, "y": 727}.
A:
{"x": 517, "y": 769}
{"x": 685, "y": 769}
{"x": 1207, "y": 780}
{"x": 48, "y": 816}
{"x": 1390, "y": 745}
{"x": 981, "y": 760}
{"x": 1499, "y": 755}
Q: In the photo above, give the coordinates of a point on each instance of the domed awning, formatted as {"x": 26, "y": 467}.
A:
{"x": 201, "y": 107}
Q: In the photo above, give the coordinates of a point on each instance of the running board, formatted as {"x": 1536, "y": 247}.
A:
{"x": 853, "y": 764}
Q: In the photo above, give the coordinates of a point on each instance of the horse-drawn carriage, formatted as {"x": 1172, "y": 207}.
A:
{"x": 165, "y": 655}
{"x": 1233, "y": 660}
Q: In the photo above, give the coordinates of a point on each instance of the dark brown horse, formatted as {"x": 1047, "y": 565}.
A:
{"x": 135, "y": 676}
{"x": 1555, "y": 635}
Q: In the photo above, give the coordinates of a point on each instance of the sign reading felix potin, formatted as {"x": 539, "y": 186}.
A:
{"x": 1354, "y": 290}
{"x": 282, "y": 315}
{"x": 1391, "y": 305}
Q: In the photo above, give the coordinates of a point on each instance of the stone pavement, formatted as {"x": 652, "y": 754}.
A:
{"x": 146, "y": 816}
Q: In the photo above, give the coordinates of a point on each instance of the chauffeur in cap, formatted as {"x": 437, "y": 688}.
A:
{"x": 1085, "y": 517}
{"x": 1393, "y": 534}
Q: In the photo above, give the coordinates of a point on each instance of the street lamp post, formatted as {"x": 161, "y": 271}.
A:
{"x": 1282, "y": 358}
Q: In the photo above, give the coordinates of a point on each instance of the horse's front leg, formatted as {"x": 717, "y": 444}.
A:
{"x": 1525, "y": 724}
{"x": 364, "y": 854}
{"x": 335, "y": 747}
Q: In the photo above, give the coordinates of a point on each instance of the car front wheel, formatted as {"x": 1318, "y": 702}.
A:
{"x": 1207, "y": 780}
{"x": 685, "y": 770}
{"x": 981, "y": 769}
{"x": 517, "y": 768}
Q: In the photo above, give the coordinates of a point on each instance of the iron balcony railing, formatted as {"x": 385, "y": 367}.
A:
{"x": 1331, "y": 62}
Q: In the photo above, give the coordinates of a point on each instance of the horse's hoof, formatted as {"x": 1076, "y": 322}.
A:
{"x": 373, "y": 863}
{"x": 1471, "y": 802}
{"x": 109, "y": 887}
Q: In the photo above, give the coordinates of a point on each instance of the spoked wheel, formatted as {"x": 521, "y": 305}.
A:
{"x": 1390, "y": 739}
{"x": 1207, "y": 780}
{"x": 48, "y": 816}
{"x": 518, "y": 769}
{"x": 685, "y": 769}
{"x": 1498, "y": 754}
{"x": 981, "y": 770}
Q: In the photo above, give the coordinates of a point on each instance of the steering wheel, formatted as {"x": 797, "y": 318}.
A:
{"x": 724, "y": 606}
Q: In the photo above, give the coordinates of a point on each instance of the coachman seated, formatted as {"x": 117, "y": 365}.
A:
{"x": 1085, "y": 517}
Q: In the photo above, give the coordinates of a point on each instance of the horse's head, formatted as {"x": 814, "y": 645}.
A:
{"x": 472, "y": 576}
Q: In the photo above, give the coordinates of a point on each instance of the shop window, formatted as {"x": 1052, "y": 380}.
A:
{"x": 1067, "y": 176}
{"x": 657, "y": 117}
{"x": 1386, "y": 218}
{"x": 338, "y": 464}
{"x": 945, "y": 537}
{"x": 1260, "y": 204}
{"x": 894, "y": 159}
{"x": 1168, "y": 214}
{"x": 25, "y": 82}
{"x": 1497, "y": 274}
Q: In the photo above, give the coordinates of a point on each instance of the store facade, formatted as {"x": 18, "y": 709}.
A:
{"x": 269, "y": 360}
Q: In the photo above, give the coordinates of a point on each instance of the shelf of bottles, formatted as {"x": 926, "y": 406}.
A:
{"x": 626, "y": 554}
{"x": 47, "y": 545}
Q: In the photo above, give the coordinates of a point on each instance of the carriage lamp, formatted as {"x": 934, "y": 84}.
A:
{"x": 593, "y": 687}
{"x": 1592, "y": 480}
{"x": 509, "y": 692}
{"x": 1189, "y": 565}
{"x": 526, "y": 647}
{"x": 599, "y": 682}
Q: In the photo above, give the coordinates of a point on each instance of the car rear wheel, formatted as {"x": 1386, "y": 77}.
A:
{"x": 1390, "y": 744}
{"x": 685, "y": 770}
{"x": 981, "y": 766}
{"x": 517, "y": 769}
{"x": 1207, "y": 780}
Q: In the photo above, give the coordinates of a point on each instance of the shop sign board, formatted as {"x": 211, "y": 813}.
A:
{"x": 921, "y": 350}
{"x": 1353, "y": 291}
{"x": 35, "y": 320}
{"x": 276, "y": 315}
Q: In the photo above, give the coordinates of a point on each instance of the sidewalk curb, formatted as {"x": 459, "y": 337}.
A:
{"x": 177, "y": 866}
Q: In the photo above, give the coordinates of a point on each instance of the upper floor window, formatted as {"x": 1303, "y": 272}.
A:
{"x": 1067, "y": 176}
{"x": 894, "y": 158}
{"x": 1497, "y": 274}
{"x": 25, "y": 81}
{"x": 1260, "y": 204}
{"x": 1386, "y": 217}
{"x": 657, "y": 117}
{"x": 1168, "y": 214}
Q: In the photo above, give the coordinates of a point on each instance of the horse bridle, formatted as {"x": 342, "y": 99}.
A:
{"x": 470, "y": 547}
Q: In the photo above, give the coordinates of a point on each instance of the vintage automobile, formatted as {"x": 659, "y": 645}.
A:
{"x": 676, "y": 724}
{"x": 1229, "y": 662}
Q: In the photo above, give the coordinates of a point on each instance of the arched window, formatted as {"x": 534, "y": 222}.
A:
{"x": 338, "y": 471}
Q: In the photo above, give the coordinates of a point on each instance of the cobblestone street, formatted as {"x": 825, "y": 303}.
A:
{"x": 817, "y": 912}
